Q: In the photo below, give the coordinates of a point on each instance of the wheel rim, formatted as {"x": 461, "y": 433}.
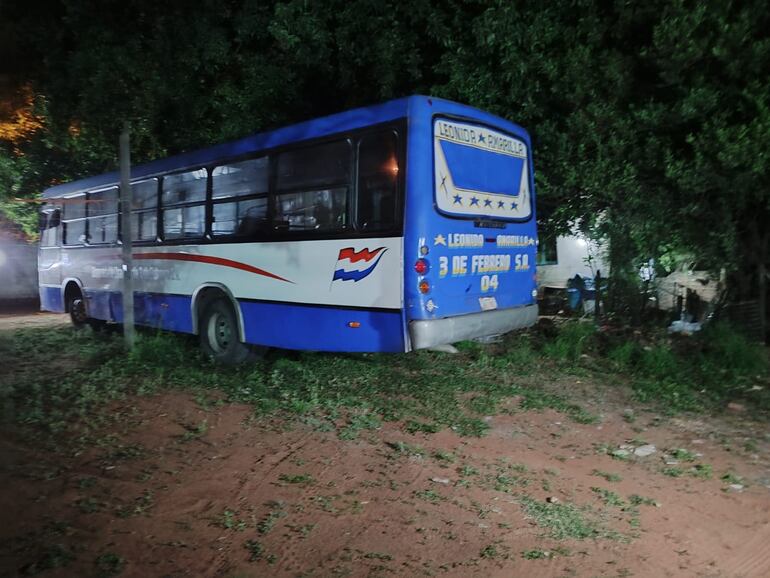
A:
{"x": 220, "y": 333}
{"x": 78, "y": 311}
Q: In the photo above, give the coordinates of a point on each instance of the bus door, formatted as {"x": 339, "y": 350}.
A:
{"x": 49, "y": 259}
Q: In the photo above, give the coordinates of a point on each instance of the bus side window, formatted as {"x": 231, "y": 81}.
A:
{"x": 49, "y": 227}
{"x": 103, "y": 216}
{"x": 312, "y": 187}
{"x": 74, "y": 220}
{"x": 183, "y": 198}
{"x": 144, "y": 218}
{"x": 239, "y": 196}
{"x": 377, "y": 181}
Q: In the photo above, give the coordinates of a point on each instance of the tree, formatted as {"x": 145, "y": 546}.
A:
{"x": 714, "y": 68}
{"x": 650, "y": 122}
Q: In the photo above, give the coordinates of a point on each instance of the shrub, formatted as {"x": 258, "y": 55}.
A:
{"x": 573, "y": 339}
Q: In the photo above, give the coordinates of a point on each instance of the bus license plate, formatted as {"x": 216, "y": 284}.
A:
{"x": 487, "y": 303}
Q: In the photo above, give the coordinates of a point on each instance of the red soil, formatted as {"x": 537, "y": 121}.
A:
{"x": 172, "y": 500}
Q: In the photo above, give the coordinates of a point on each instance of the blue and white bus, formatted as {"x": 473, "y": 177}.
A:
{"x": 395, "y": 227}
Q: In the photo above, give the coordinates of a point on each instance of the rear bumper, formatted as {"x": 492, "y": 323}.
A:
{"x": 432, "y": 332}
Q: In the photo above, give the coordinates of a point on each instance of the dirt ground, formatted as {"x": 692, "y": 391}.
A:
{"x": 179, "y": 486}
{"x": 26, "y": 317}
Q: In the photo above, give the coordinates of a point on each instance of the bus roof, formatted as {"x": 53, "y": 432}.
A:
{"x": 328, "y": 125}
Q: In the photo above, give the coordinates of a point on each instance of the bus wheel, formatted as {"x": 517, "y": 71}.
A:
{"x": 219, "y": 334}
{"x": 77, "y": 309}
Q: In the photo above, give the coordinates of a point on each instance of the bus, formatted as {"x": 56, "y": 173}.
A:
{"x": 389, "y": 228}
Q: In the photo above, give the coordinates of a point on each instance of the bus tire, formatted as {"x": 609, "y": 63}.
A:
{"x": 219, "y": 338}
{"x": 77, "y": 309}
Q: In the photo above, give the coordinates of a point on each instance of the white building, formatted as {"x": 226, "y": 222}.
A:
{"x": 562, "y": 259}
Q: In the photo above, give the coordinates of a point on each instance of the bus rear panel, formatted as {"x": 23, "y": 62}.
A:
{"x": 470, "y": 238}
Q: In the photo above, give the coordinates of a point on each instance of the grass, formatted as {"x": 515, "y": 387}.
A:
{"x": 493, "y": 551}
{"x": 355, "y": 393}
{"x": 566, "y": 521}
{"x": 535, "y": 554}
{"x": 195, "y": 432}
{"x": 673, "y": 472}
{"x": 610, "y": 477}
{"x": 702, "y": 471}
{"x": 637, "y": 500}
{"x": 609, "y": 497}
{"x": 405, "y": 449}
{"x": 731, "y": 478}
{"x": 229, "y": 521}
{"x": 572, "y": 341}
{"x": 255, "y": 550}
{"x": 267, "y": 523}
{"x": 683, "y": 455}
{"x": 431, "y": 496}
{"x": 693, "y": 373}
{"x": 351, "y": 393}
{"x": 109, "y": 564}
{"x": 444, "y": 457}
{"x": 139, "y": 506}
{"x": 299, "y": 479}
{"x": 52, "y": 556}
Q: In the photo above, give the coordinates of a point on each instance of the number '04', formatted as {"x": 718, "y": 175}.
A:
{"x": 489, "y": 283}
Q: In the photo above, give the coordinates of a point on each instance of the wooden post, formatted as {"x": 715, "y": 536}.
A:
{"x": 762, "y": 274}
{"x": 125, "y": 237}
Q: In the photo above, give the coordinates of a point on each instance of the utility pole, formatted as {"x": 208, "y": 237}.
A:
{"x": 125, "y": 237}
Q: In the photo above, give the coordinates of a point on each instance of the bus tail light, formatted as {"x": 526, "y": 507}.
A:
{"x": 421, "y": 266}
{"x": 424, "y": 287}
{"x": 354, "y": 324}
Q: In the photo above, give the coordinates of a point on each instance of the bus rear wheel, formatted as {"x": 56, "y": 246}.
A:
{"x": 76, "y": 305}
{"x": 219, "y": 337}
{"x": 77, "y": 309}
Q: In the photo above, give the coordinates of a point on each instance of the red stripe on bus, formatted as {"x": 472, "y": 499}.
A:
{"x": 362, "y": 255}
{"x": 210, "y": 260}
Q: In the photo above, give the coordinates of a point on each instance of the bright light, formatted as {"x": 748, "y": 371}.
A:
{"x": 582, "y": 242}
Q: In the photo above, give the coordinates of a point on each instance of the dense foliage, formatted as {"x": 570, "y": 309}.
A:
{"x": 651, "y": 121}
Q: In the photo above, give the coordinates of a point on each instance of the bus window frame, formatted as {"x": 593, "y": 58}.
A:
{"x": 51, "y": 213}
{"x": 398, "y": 189}
{"x": 213, "y": 202}
{"x": 83, "y": 238}
{"x": 329, "y": 185}
{"x": 352, "y": 231}
{"x": 93, "y": 218}
{"x": 156, "y": 209}
{"x": 163, "y": 207}
{"x": 482, "y": 218}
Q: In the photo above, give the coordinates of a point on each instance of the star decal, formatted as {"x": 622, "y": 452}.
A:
{"x": 514, "y": 206}
{"x": 482, "y": 138}
{"x": 474, "y": 201}
{"x": 500, "y": 204}
{"x": 439, "y": 240}
{"x": 487, "y": 202}
{"x": 458, "y": 200}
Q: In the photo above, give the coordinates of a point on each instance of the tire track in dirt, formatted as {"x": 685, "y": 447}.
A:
{"x": 753, "y": 558}
{"x": 289, "y": 551}
{"x": 222, "y": 563}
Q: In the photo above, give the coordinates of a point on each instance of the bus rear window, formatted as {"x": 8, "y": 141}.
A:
{"x": 480, "y": 172}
